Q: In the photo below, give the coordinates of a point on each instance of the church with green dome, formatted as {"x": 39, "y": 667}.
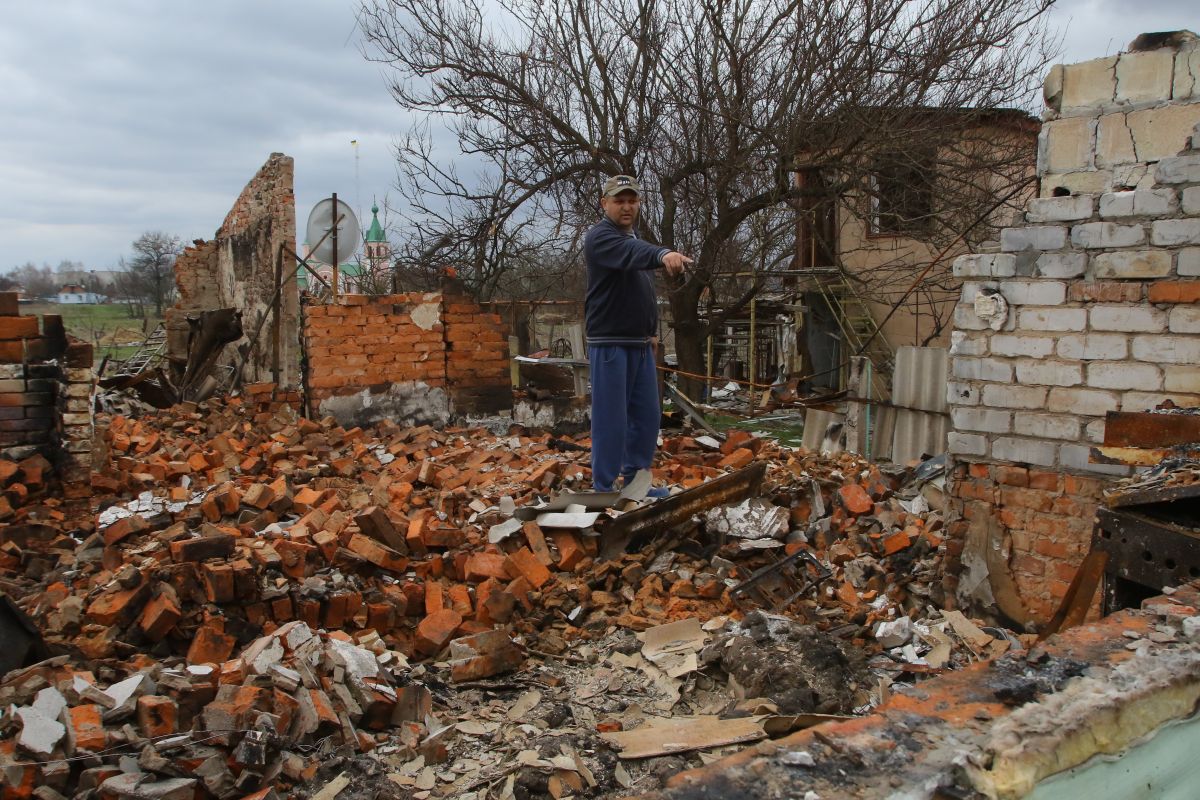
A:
{"x": 375, "y": 257}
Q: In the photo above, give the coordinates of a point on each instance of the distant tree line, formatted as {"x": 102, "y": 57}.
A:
{"x": 143, "y": 280}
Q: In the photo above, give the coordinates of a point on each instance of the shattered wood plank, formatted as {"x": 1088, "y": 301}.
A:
{"x": 663, "y": 736}
{"x": 677, "y": 509}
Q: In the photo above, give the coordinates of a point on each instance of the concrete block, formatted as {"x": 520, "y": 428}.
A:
{"x": 1060, "y": 209}
{"x": 1187, "y": 75}
{"x": 1145, "y": 76}
{"x": 981, "y": 369}
{"x": 1009, "y": 396}
{"x": 1139, "y": 202}
{"x": 986, "y": 420}
{"x": 1174, "y": 232}
{"x": 985, "y": 265}
{"x": 1188, "y": 262}
{"x": 1088, "y": 181}
{"x": 1132, "y": 264}
{"x": 1017, "y": 345}
{"x": 1107, "y": 234}
{"x": 962, "y": 394}
{"x": 1130, "y": 319}
{"x": 1093, "y": 347}
{"x": 965, "y": 344}
{"x": 1123, "y": 375}
{"x": 1067, "y": 145}
{"x": 966, "y": 444}
{"x": 1034, "y": 292}
{"x": 1166, "y": 350}
{"x": 1179, "y": 378}
{"x": 1160, "y": 133}
{"x": 1061, "y": 265}
{"x": 1046, "y": 426}
{"x": 966, "y": 319}
{"x": 1085, "y": 402}
{"x": 1025, "y": 451}
{"x": 1184, "y": 319}
{"x": 1034, "y": 237}
{"x": 1040, "y": 372}
{"x": 1179, "y": 169}
{"x": 1052, "y": 319}
{"x": 1090, "y": 84}
{"x": 1114, "y": 141}
{"x": 1075, "y": 456}
{"x": 1191, "y": 200}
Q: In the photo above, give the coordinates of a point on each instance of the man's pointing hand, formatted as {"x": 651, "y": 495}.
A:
{"x": 675, "y": 263}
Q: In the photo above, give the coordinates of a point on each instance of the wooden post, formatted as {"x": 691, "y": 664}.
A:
{"x": 750, "y": 350}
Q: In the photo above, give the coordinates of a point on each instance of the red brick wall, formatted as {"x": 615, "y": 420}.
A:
{"x": 407, "y": 357}
{"x": 1043, "y": 520}
{"x": 46, "y": 384}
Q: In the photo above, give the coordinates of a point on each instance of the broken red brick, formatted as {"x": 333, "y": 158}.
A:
{"x": 157, "y": 716}
{"x": 436, "y": 630}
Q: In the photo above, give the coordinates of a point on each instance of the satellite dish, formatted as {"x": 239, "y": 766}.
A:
{"x": 349, "y": 234}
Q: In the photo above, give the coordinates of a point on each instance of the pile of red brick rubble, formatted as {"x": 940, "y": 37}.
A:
{"x": 259, "y": 591}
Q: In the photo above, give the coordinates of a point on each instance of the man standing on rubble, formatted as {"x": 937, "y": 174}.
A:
{"x": 622, "y": 330}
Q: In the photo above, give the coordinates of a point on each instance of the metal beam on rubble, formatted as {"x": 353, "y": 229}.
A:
{"x": 678, "y": 509}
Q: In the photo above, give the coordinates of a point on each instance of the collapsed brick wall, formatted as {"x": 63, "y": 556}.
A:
{"x": 46, "y": 387}
{"x": 411, "y": 358}
{"x": 1100, "y": 292}
{"x": 237, "y": 269}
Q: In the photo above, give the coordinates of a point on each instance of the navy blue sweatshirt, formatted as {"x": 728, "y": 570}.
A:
{"x": 620, "y": 306}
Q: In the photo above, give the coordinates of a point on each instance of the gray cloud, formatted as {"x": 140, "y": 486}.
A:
{"x": 132, "y": 115}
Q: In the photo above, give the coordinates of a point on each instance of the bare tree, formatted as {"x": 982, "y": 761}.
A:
{"x": 710, "y": 102}
{"x": 151, "y": 268}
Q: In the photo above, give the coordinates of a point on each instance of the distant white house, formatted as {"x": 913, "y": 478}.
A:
{"x": 75, "y": 294}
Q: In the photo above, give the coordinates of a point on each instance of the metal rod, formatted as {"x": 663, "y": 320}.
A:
{"x": 709, "y": 370}
{"x": 750, "y": 357}
{"x": 334, "y": 258}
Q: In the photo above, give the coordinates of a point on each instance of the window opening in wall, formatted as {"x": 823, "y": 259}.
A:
{"x": 901, "y": 194}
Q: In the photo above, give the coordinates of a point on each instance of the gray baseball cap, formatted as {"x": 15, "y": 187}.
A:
{"x": 621, "y": 183}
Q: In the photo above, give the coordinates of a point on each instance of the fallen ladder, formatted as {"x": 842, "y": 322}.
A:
{"x": 148, "y": 354}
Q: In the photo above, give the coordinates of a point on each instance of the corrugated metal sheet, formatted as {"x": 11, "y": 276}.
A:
{"x": 919, "y": 382}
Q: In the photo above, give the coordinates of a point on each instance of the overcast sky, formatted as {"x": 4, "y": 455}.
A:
{"x": 124, "y": 116}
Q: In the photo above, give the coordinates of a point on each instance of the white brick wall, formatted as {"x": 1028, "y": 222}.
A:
{"x": 986, "y": 420}
{"x": 1049, "y": 373}
{"x": 962, "y": 393}
{"x": 963, "y": 345}
{"x": 1061, "y": 265}
{"x": 1085, "y": 402}
{"x": 1179, "y": 378}
{"x": 1016, "y": 345}
{"x": 981, "y": 369}
{"x": 1188, "y": 263}
{"x": 1052, "y": 319}
{"x": 1191, "y": 200}
{"x": 1144, "y": 202}
{"x": 1034, "y": 292}
{"x": 1060, "y": 209}
{"x": 1046, "y": 426}
{"x": 1181, "y": 169}
{"x": 1124, "y": 375}
{"x": 1107, "y": 234}
{"x": 1010, "y": 396}
{"x": 985, "y": 265}
{"x": 1174, "y": 232}
{"x": 1181, "y": 319}
{"x": 1131, "y": 319}
{"x": 1025, "y": 451}
{"x": 1094, "y": 346}
{"x": 1167, "y": 349}
{"x": 1044, "y": 237}
{"x": 966, "y": 444}
{"x": 1132, "y": 264}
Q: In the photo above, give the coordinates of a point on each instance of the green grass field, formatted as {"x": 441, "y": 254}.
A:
{"x": 109, "y": 327}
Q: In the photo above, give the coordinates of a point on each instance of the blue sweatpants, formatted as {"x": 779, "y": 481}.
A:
{"x": 625, "y": 411}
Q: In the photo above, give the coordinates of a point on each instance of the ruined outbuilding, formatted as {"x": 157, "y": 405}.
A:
{"x": 245, "y": 267}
